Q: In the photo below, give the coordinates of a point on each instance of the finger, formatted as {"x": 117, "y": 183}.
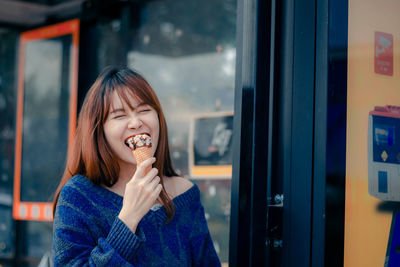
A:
{"x": 150, "y": 175}
{"x": 155, "y": 182}
{"x": 157, "y": 178}
{"x": 148, "y": 162}
{"x": 141, "y": 168}
{"x": 146, "y": 179}
{"x": 158, "y": 189}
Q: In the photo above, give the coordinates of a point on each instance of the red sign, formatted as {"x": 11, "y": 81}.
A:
{"x": 384, "y": 53}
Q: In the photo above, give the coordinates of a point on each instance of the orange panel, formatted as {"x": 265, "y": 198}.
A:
{"x": 42, "y": 211}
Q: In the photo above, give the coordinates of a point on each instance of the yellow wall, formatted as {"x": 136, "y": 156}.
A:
{"x": 366, "y": 229}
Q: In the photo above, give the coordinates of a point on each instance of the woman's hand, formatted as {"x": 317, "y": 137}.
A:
{"x": 140, "y": 194}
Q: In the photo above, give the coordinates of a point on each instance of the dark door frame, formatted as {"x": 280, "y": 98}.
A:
{"x": 280, "y": 134}
{"x": 249, "y": 183}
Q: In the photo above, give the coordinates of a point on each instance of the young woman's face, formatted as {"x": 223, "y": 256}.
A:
{"x": 123, "y": 122}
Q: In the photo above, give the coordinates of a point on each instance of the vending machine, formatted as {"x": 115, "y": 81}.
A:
{"x": 384, "y": 170}
{"x": 384, "y": 153}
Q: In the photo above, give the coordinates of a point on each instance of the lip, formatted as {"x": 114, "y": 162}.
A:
{"x": 126, "y": 139}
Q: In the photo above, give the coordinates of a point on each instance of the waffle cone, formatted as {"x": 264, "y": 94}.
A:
{"x": 141, "y": 154}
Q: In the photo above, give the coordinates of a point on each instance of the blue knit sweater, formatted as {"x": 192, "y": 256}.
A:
{"x": 87, "y": 231}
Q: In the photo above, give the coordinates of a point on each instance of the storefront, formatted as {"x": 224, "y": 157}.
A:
{"x": 284, "y": 113}
{"x": 186, "y": 50}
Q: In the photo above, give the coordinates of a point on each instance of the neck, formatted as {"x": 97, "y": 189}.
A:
{"x": 126, "y": 173}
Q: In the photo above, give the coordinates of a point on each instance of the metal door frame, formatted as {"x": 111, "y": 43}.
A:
{"x": 280, "y": 133}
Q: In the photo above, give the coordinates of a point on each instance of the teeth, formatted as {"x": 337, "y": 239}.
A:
{"x": 130, "y": 143}
{"x": 138, "y": 140}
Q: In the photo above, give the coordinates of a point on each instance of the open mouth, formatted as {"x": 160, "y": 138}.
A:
{"x": 129, "y": 141}
{"x": 138, "y": 140}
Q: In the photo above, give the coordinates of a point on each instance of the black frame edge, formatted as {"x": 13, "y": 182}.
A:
{"x": 261, "y": 132}
{"x": 239, "y": 237}
{"x": 336, "y": 141}
{"x": 298, "y": 183}
{"x": 320, "y": 132}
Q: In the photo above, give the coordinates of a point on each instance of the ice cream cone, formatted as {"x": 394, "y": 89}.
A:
{"x": 140, "y": 145}
{"x": 141, "y": 154}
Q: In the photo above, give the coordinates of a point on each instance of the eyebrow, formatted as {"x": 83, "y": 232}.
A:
{"x": 117, "y": 110}
{"x": 122, "y": 109}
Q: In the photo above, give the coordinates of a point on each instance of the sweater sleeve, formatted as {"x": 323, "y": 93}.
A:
{"x": 202, "y": 247}
{"x": 73, "y": 244}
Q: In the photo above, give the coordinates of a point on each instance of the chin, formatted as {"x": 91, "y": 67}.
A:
{"x": 128, "y": 160}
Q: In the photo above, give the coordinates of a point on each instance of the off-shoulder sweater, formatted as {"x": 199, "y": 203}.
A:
{"x": 88, "y": 232}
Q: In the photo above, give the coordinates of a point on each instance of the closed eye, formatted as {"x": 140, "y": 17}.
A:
{"x": 144, "y": 110}
{"x": 119, "y": 116}
{"x": 117, "y": 113}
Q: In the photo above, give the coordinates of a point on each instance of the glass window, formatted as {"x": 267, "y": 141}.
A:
{"x": 186, "y": 50}
{"x": 189, "y": 58}
{"x": 45, "y": 119}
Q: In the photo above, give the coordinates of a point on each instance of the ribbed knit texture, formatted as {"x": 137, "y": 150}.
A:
{"x": 87, "y": 231}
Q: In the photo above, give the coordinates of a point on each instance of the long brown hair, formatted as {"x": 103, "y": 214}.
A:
{"x": 90, "y": 154}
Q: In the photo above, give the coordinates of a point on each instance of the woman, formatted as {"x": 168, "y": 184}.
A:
{"x": 108, "y": 211}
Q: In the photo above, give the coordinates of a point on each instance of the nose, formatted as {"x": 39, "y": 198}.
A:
{"x": 134, "y": 122}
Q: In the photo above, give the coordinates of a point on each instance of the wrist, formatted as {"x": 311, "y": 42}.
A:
{"x": 131, "y": 224}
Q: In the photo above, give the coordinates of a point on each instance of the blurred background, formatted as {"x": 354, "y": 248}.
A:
{"x": 185, "y": 49}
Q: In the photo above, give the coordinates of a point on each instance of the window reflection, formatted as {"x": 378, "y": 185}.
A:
{"x": 186, "y": 50}
{"x": 45, "y": 120}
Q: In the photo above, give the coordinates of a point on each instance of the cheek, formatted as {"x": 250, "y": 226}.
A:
{"x": 156, "y": 140}
{"x": 156, "y": 132}
{"x": 106, "y": 132}
{"x": 111, "y": 132}
{"x": 109, "y": 140}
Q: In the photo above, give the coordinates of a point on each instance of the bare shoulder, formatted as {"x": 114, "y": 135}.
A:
{"x": 182, "y": 183}
{"x": 177, "y": 185}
